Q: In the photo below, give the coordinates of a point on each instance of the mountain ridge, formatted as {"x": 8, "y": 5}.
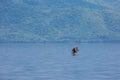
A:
{"x": 65, "y": 20}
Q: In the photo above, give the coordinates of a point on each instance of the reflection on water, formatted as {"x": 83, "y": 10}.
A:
{"x": 53, "y": 61}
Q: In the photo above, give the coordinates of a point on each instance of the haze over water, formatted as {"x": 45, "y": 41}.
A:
{"x": 53, "y": 61}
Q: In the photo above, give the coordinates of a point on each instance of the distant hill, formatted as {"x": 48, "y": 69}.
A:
{"x": 59, "y": 20}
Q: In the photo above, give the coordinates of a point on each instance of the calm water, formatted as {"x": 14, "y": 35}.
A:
{"x": 53, "y": 61}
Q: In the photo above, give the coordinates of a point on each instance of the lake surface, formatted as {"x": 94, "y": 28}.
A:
{"x": 53, "y": 61}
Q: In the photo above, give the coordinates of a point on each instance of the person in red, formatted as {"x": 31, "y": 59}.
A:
{"x": 74, "y": 51}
